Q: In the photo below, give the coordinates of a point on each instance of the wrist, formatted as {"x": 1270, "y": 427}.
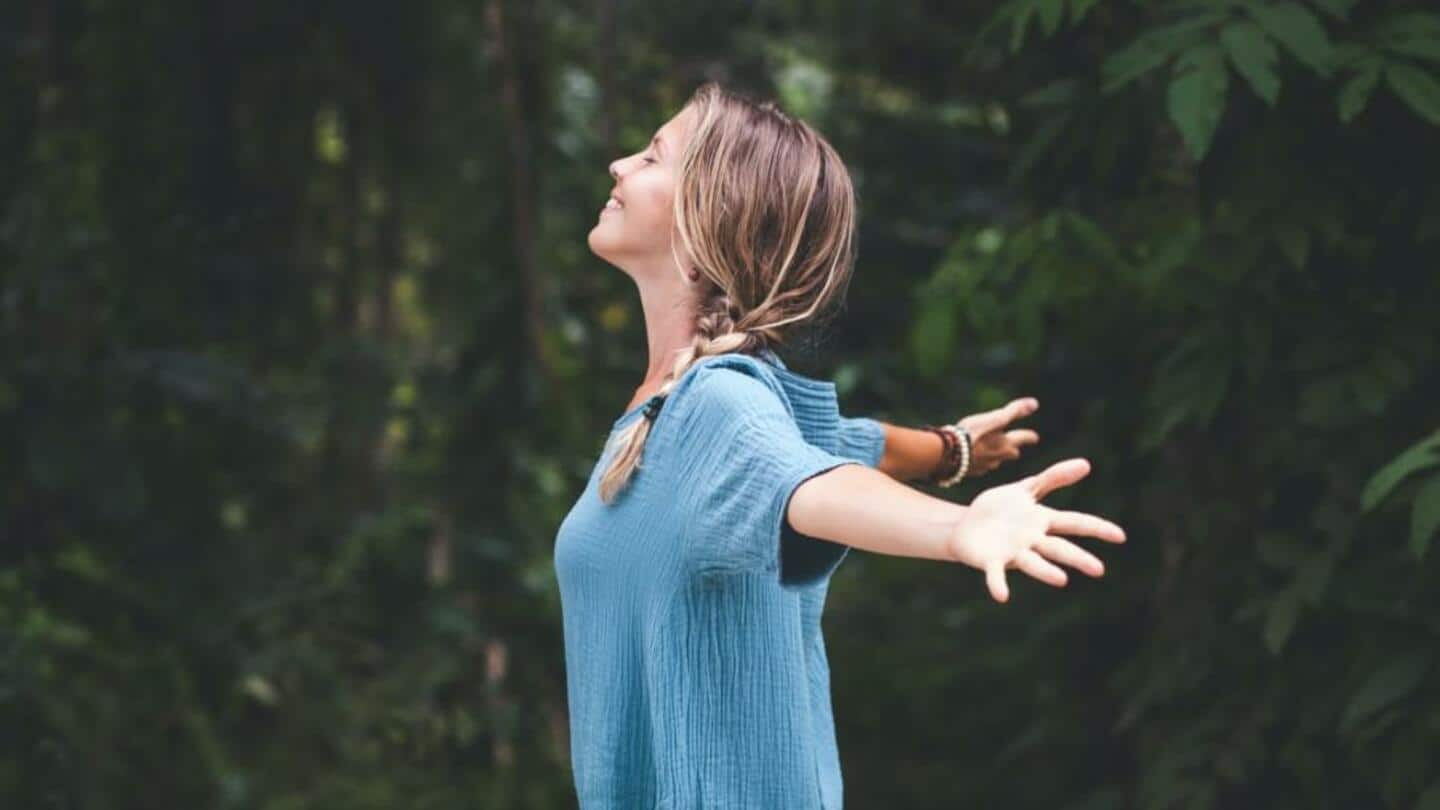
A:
{"x": 955, "y": 546}
{"x": 955, "y": 455}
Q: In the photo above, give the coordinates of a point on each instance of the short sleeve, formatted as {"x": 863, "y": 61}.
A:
{"x": 862, "y": 439}
{"x": 744, "y": 459}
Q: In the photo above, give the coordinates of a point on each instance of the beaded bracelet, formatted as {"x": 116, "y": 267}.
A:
{"x": 955, "y": 458}
{"x": 962, "y": 437}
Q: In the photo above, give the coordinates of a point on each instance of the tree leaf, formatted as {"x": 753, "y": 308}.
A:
{"x": 1254, "y": 57}
{"x": 1151, "y": 50}
{"x": 1424, "y": 453}
{"x": 1357, "y": 91}
{"x": 1023, "y": 13}
{"x": 1004, "y": 13}
{"x": 1079, "y": 8}
{"x": 1052, "y": 12}
{"x": 1418, "y": 47}
{"x": 1298, "y": 30}
{"x": 1425, "y": 517}
{"x": 1093, "y": 237}
{"x": 1196, "y": 98}
{"x": 1056, "y": 93}
{"x": 1125, "y": 66}
{"x": 1339, "y": 9}
{"x": 1280, "y": 620}
{"x": 1417, "y": 88}
{"x": 1386, "y": 685}
{"x": 1036, "y": 147}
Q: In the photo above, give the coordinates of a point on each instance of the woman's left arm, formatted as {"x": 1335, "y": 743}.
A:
{"x": 1003, "y": 527}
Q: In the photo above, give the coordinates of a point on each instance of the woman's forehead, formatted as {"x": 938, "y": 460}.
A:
{"x": 673, "y": 132}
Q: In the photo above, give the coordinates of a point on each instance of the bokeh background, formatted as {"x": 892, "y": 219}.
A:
{"x": 303, "y": 358}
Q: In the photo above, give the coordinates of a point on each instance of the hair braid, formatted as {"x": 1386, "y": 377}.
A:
{"x": 715, "y": 334}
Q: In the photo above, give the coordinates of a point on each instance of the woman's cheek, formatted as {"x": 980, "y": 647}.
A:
{"x": 659, "y": 208}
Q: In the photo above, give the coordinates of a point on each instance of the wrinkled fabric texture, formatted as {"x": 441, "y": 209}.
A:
{"x": 695, "y": 664}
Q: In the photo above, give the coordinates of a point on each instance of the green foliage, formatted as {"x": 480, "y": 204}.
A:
{"x": 303, "y": 357}
{"x": 1425, "y": 508}
{"x": 1048, "y": 16}
{"x": 1197, "y": 96}
{"x": 1297, "y": 30}
{"x": 1415, "y": 87}
{"x": 1254, "y": 57}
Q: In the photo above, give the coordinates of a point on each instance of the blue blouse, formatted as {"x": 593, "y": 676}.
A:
{"x": 695, "y": 664}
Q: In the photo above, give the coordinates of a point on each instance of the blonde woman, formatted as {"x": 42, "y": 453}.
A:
{"x": 693, "y": 567}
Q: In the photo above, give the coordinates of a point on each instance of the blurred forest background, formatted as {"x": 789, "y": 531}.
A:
{"x": 303, "y": 358}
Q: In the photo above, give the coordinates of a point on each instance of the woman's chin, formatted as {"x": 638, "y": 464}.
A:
{"x": 602, "y": 241}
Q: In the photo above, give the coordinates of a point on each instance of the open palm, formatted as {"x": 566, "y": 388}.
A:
{"x": 1007, "y": 527}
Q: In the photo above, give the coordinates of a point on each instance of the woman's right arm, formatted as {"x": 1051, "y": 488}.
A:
{"x": 912, "y": 454}
{"x": 1004, "y": 527}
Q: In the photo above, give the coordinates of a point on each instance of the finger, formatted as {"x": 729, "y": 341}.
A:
{"x": 995, "y": 578}
{"x": 1060, "y": 474}
{"x": 1020, "y": 438}
{"x": 992, "y": 459}
{"x": 982, "y": 423}
{"x": 1040, "y": 568}
{"x": 1067, "y": 553}
{"x": 1063, "y": 521}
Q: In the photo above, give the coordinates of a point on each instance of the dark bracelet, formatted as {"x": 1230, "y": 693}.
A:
{"x": 950, "y": 458}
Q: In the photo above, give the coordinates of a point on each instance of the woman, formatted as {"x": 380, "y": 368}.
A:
{"x": 694, "y": 566}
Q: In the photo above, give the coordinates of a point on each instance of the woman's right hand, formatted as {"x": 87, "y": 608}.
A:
{"x": 1007, "y": 527}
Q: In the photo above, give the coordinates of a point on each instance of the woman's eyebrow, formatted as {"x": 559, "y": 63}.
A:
{"x": 658, "y": 144}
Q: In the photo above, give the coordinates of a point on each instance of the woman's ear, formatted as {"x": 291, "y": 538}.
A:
{"x": 682, "y": 260}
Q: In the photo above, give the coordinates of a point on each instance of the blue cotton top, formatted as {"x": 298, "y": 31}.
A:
{"x": 696, "y": 669}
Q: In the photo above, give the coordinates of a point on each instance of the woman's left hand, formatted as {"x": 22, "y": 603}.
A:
{"x": 993, "y": 445}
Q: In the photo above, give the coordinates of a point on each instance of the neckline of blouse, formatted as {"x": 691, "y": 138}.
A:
{"x": 767, "y": 355}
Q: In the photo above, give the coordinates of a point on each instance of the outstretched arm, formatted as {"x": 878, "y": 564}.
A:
{"x": 1004, "y": 527}
{"x": 912, "y": 454}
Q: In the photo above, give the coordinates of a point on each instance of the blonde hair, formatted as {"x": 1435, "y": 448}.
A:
{"x": 766, "y": 211}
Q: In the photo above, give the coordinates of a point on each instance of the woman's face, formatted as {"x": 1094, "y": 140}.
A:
{"x": 635, "y": 227}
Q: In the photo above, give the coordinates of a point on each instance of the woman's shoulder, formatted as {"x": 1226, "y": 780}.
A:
{"x": 727, "y": 386}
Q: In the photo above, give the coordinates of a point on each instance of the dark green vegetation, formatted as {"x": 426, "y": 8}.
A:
{"x": 303, "y": 357}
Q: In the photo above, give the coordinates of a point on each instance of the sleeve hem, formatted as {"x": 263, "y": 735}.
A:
{"x": 799, "y": 559}
{"x": 862, "y": 438}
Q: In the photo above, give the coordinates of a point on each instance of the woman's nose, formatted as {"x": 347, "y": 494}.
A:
{"x": 615, "y": 170}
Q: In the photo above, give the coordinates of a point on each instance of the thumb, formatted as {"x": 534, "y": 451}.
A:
{"x": 995, "y": 579}
{"x": 1060, "y": 474}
